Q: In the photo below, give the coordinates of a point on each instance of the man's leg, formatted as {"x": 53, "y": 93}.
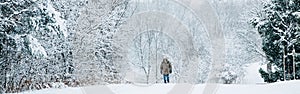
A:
{"x": 165, "y": 78}
{"x": 168, "y": 78}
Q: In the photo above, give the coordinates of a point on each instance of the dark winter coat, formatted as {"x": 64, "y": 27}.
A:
{"x": 165, "y": 67}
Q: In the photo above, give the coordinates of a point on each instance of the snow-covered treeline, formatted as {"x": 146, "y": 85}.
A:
{"x": 41, "y": 44}
{"x": 75, "y": 42}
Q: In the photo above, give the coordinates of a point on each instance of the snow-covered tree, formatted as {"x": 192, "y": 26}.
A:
{"x": 70, "y": 11}
{"x": 33, "y": 49}
{"x": 278, "y": 25}
{"x": 92, "y": 42}
{"x": 241, "y": 42}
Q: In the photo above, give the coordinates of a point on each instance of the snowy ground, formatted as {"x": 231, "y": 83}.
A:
{"x": 253, "y": 84}
{"x": 252, "y": 75}
{"x": 290, "y": 87}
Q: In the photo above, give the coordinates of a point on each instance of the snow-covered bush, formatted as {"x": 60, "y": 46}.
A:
{"x": 228, "y": 74}
{"x": 58, "y": 85}
{"x": 228, "y": 77}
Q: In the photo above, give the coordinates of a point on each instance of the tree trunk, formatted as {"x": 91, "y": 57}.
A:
{"x": 283, "y": 61}
{"x": 156, "y": 65}
{"x": 149, "y": 55}
{"x": 269, "y": 69}
{"x": 294, "y": 67}
{"x": 147, "y": 78}
{"x": 147, "y": 75}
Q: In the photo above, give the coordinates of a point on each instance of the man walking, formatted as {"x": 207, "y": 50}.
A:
{"x": 166, "y": 69}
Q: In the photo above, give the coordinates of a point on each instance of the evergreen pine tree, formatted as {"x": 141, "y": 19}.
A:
{"x": 278, "y": 25}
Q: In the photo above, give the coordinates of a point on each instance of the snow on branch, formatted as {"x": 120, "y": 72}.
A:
{"x": 36, "y": 47}
{"x": 297, "y": 14}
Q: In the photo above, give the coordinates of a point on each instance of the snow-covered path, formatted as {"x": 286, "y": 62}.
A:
{"x": 289, "y": 87}
{"x": 252, "y": 84}
{"x": 252, "y": 75}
